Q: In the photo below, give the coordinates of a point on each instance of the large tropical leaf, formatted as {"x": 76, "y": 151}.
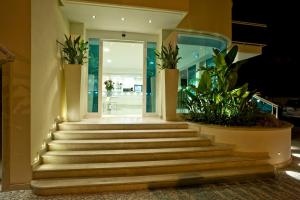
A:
{"x": 230, "y": 56}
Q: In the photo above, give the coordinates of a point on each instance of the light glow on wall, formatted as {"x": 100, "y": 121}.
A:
{"x": 43, "y": 145}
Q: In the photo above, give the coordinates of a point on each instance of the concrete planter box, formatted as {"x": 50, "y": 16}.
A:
{"x": 170, "y": 89}
{"x": 73, "y": 91}
{"x": 256, "y": 141}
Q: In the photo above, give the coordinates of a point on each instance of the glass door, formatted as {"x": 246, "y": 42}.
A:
{"x": 122, "y": 78}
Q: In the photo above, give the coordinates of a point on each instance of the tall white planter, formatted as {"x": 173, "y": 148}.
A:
{"x": 73, "y": 90}
{"x": 170, "y": 90}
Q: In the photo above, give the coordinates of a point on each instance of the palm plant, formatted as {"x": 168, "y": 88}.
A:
{"x": 168, "y": 56}
{"x": 74, "y": 50}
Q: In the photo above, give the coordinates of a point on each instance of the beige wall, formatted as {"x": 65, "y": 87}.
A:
{"x": 178, "y": 5}
{"x": 276, "y": 142}
{"x": 15, "y": 35}
{"x": 48, "y": 25}
{"x": 212, "y": 16}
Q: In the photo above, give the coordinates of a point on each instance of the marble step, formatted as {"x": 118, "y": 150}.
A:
{"x": 95, "y": 156}
{"x": 142, "y": 167}
{"x": 91, "y": 185}
{"x": 127, "y": 143}
{"x": 129, "y": 126}
{"x": 122, "y": 134}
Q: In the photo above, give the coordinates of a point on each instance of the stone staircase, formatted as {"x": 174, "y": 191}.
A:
{"x": 84, "y": 158}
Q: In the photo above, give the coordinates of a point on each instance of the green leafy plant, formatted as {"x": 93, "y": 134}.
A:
{"x": 168, "y": 57}
{"x": 109, "y": 85}
{"x": 216, "y": 99}
{"x": 74, "y": 50}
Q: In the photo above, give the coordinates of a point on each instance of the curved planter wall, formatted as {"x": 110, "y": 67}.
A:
{"x": 274, "y": 141}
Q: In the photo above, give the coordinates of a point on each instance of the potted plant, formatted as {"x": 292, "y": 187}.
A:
{"x": 109, "y": 86}
{"x": 74, "y": 51}
{"x": 227, "y": 112}
{"x": 170, "y": 74}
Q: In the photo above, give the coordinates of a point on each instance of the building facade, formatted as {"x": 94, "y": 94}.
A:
{"x": 33, "y": 84}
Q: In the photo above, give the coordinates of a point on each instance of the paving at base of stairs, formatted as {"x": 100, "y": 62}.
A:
{"x": 285, "y": 186}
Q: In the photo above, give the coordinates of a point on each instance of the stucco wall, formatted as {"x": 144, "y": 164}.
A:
{"x": 48, "y": 25}
{"x": 213, "y": 16}
{"x": 276, "y": 142}
{"x": 15, "y": 35}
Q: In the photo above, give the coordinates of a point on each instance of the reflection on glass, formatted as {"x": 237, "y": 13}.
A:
{"x": 151, "y": 78}
{"x": 93, "y": 75}
{"x": 196, "y": 51}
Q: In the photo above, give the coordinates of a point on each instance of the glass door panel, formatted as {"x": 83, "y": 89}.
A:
{"x": 93, "y": 75}
{"x": 151, "y": 78}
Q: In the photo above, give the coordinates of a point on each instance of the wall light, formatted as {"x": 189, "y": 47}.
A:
{"x": 37, "y": 158}
{"x": 44, "y": 145}
{"x": 123, "y": 19}
{"x": 150, "y": 21}
{"x": 94, "y": 17}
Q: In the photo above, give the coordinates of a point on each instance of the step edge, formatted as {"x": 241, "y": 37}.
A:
{"x": 153, "y": 165}
{"x": 266, "y": 168}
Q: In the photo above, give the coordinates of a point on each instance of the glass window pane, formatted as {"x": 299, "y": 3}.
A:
{"x": 93, "y": 75}
{"x": 192, "y": 74}
{"x": 196, "y": 51}
{"x": 151, "y": 78}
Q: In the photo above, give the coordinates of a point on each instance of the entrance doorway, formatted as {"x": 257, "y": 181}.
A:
{"x": 122, "y": 78}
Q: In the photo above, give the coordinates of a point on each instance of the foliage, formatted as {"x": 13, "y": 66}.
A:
{"x": 216, "y": 99}
{"x": 74, "y": 50}
{"x": 109, "y": 85}
{"x": 168, "y": 57}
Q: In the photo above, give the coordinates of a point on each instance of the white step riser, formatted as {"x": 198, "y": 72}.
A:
{"x": 148, "y": 145}
{"x": 122, "y": 126}
{"x": 55, "y": 159}
{"x": 136, "y": 171}
{"x": 80, "y": 136}
{"x": 146, "y": 184}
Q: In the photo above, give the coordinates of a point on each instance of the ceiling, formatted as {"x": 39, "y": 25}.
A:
{"x": 123, "y": 57}
{"x": 110, "y": 17}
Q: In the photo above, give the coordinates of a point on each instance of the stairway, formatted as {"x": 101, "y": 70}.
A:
{"x": 84, "y": 158}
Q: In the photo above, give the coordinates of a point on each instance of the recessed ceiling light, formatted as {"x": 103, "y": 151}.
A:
{"x": 123, "y": 18}
{"x": 94, "y": 17}
{"x": 109, "y": 60}
{"x": 106, "y": 49}
{"x": 150, "y": 21}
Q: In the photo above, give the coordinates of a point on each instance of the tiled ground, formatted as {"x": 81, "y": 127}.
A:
{"x": 285, "y": 187}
